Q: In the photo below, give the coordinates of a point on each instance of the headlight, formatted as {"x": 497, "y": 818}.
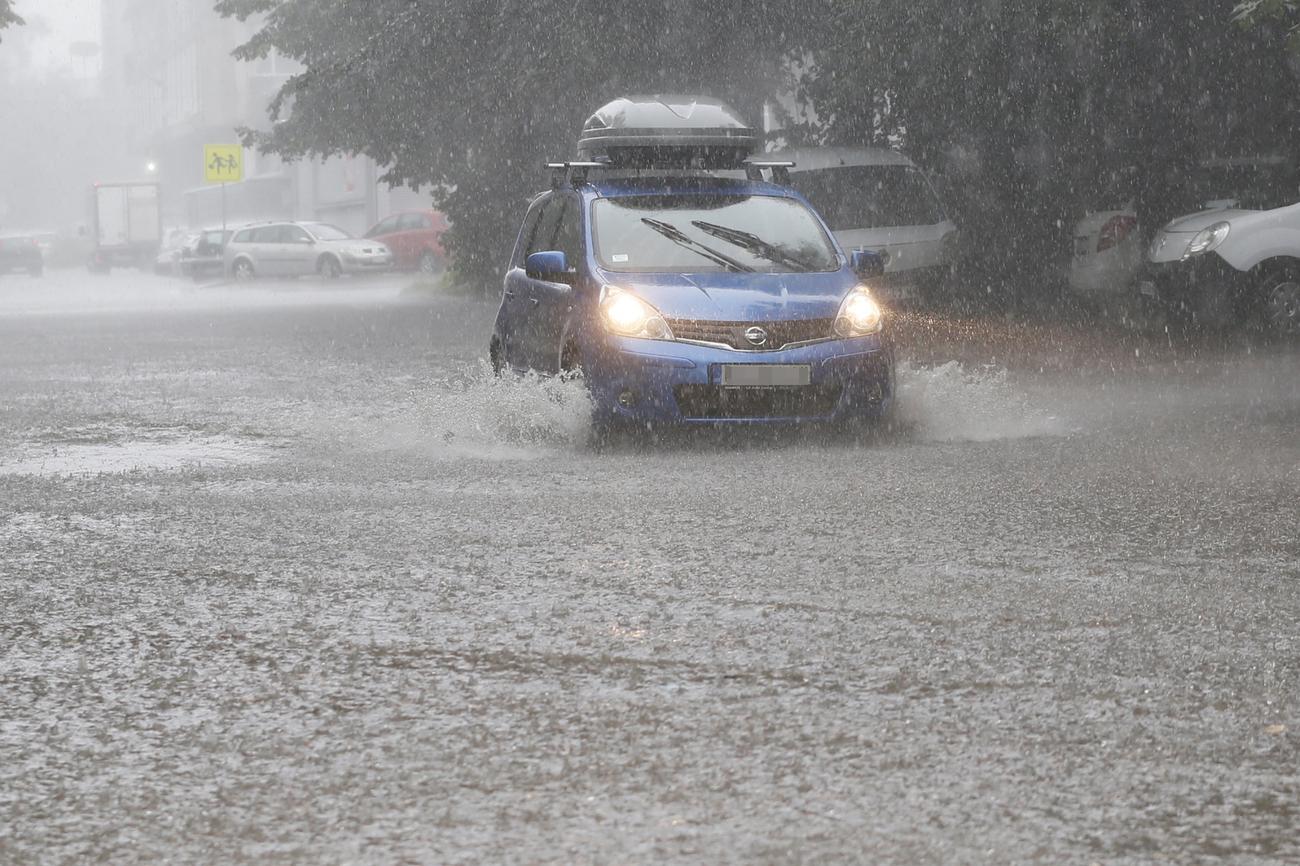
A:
{"x": 859, "y": 314}
{"x": 1207, "y": 240}
{"x": 626, "y": 314}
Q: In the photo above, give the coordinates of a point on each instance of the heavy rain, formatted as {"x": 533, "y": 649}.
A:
{"x": 874, "y": 438}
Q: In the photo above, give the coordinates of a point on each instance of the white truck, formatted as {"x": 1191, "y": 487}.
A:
{"x": 126, "y": 225}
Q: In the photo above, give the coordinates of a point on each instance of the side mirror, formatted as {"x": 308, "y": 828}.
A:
{"x": 551, "y": 265}
{"x": 867, "y": 264}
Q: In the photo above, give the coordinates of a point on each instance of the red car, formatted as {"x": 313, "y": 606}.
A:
{"x": 415, "y": 237}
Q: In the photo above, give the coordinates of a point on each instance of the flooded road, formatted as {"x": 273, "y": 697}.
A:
{"x": 287, "y": 577}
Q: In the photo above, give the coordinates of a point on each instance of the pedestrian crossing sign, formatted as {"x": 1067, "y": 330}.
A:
{"x": 223, "y": 163}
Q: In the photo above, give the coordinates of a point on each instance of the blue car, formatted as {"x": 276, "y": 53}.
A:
{"x": 688, "y": 297}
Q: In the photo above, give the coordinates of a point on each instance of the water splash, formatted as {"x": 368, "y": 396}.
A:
{"x": 950, "y": 403}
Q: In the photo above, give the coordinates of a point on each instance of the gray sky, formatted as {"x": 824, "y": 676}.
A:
{"x": 56, "y": 24}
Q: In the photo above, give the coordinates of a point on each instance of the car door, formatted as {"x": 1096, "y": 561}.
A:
{"x": 516, "y": 306}
{"x": 264, "y": 249}
{"x": 537, "y": 342}
{"x": 386, "y": 233}
{"x": 411, "y": 229}
{"x": 298, "y": 250}
{"x": 552, "y": 301}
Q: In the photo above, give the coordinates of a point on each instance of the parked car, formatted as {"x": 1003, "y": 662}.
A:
{"x": 1238, "y": 261}
{"x": 20, "y": 252}
{"x": 204, "y": 257}
{"x": 879, "y": 200}
{"x": 167, "y": 262}
{"x": 687, "y": 297}
{"x": 290, "y": 249}
{"x": 1107, "y": 249}
{"x": 415, "y": 237}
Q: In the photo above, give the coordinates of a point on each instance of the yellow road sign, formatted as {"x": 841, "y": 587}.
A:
{"x": 223, "y": 163}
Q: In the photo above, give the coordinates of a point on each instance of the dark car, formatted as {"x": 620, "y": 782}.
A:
{"x": 204, "y": 258}
{"x": 21, "y": 253}
{"x": 687, "y": 297}
{"x": 415, "y": 237}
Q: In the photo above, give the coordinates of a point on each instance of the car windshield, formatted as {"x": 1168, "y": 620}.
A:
{"x": 327, "y": 232}
{"x": 1253, "y": 186}
{"x": 701, "y": 233}
{"x": 870, "y": 196}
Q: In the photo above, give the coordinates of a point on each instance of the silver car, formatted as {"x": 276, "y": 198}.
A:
{"x": 291, "y": 249}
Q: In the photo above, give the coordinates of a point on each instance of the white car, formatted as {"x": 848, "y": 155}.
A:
{"x": 879, "y": 200}
{"x": 291, "y": 249}
{"x": 1239, "y": 262}
{"x": 1107, "y": 251}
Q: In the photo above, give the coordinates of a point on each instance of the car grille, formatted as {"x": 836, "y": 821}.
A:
{"x": 779, "y": 334}
{"x": 714, "y": 401}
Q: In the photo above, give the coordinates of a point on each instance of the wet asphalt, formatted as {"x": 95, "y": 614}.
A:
{"x": 287, "y": 577}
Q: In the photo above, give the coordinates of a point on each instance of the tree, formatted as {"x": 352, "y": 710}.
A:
{"x": 1035, "y": 105}
{"x": 473, "y": 96}
{"x": 1252, "y": 13}
{"x": 7, "y": 14}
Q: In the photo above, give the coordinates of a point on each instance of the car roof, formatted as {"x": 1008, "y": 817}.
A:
{"x": 636, "y": 184}
{"x": 815, "y": 158}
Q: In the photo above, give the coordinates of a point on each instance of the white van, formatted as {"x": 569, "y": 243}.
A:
{"x": 879, "y": 200}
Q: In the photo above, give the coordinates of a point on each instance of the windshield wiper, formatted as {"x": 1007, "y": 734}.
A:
{"x": 676, "y": 235}
{"x": 753, "y": 243}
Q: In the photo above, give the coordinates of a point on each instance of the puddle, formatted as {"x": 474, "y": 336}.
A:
{"x": 138, "y": 455}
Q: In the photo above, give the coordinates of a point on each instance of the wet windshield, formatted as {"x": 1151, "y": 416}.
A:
{"x": 327, "y": 232}
{"x": 699, "y": 233}
{"x": 870, "y": 196}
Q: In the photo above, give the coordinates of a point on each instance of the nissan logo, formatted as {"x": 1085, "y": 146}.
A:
{"x": 756, "y": 336}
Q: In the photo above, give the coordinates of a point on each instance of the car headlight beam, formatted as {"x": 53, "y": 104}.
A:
{"x": 625, "y": 314}
{"x": 1207, "y": 240}
{"x": 859, "y": 314}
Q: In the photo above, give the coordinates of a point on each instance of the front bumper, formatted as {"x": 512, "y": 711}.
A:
{"x": 1195, "y": 286}
{"x": 363, "y": 264}
{"x": 635, "y": 380}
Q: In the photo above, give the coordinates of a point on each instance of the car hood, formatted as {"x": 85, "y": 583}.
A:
{"x": 1204, "y": 219}
{"x": 750, "y": 297}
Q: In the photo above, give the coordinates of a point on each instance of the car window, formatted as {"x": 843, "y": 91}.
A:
{"x": 266, "y": 235}
{"x": 410, "y": 222}
{"x": 526, "y": 231}
{"x": 385, "y": 227}
{"x": 870, "y": 196}
{"x": 294, "y": 235}
{"x": 568, "y": 238}
{"x": 242, "y": 237}
{"x": 547, "y": 227}
{"x": 703, "y": 233}
{"x": 327, "y": 232}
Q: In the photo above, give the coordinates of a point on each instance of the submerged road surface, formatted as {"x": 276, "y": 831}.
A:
{"x": 287, "y": 577}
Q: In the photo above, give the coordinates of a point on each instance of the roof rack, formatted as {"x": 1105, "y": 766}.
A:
{"x": 572, "y": 173}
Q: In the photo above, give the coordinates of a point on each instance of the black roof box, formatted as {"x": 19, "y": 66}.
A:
{"x": 667, "y": 132}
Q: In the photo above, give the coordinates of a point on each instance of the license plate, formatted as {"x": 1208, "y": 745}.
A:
{"x": 766, "y": 375}
{"x": 1148, "y": 288}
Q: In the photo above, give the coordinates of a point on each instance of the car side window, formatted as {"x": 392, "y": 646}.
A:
{"x": 266, "y": 235}
{"x": 548, "y": 226}
{"x": 410, "y": 222}
{"x": 294, "y": 235}
{"x": 243, "y": 237}
{"x": 568, "y": 238}
{"x": 385, "y": 227}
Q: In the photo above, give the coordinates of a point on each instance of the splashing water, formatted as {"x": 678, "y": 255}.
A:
{"x": 478, "y": 414}
{"x": 949, "y": 403}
